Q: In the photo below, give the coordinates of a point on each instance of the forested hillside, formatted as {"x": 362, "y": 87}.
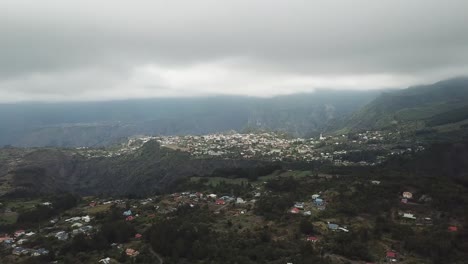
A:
{"x": 416, "y": 107}
{"x": 149, "y": 170}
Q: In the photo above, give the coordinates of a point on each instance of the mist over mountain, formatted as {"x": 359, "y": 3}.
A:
{"x": 103, "y": 123}
{"x": 414, "y": 108}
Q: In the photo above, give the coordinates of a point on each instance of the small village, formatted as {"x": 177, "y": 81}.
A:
{"x": 318, "y": 210}
{"x": 341, "y": 150}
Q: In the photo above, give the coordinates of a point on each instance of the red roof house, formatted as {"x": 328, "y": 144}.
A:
{"x": 295, "y": 210}
{"x": 392, "y": 256}
{"x": 312, "y": 239}
{"x": 129, "y": 218}
{"x": 19, "y": 233}
{"x": 138, "y": 236}
{"x": 3, "y": 238}
{"x": 220, "y": 202}
{"x": 452, "y": 228}
{"x": 131, "y": 252}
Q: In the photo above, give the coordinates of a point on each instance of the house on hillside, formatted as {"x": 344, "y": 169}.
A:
{"x": 19, "y": 233}
{"x": 409, "y": 216}
{"x": 220, "y": 202}
{"x": 319, "y": 202}
{"x": 77, "y": 225}
{"x": 73, "y": 219}
{"x": 333, "y": 227}
{"x": 294, "y": 210}
{"x": 227, "y": 198}
{"x": 240, "y": 200}
{"x": 299, "y": 205}
{"x": 391, "y": 256}
{"x": 105, "y": 260}
{"x": 86, "y": 229}
{"x": 407, "y": 195}
{"x": 131, "y": 252}
{"x": 312, "y": 239}
{"x": 18, "y": 251}
{"x": 21, "y": 241}
{"x": 127, "y": 213}
{"x": 61, "y": 235}
{"x": 4, "y": 237}
{"x": 86, "y": 218}
{"x": 39, "y": 252}
{"x": 344, "y": 229}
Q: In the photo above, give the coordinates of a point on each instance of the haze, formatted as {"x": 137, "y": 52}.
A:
{"x": 105, "y": 50}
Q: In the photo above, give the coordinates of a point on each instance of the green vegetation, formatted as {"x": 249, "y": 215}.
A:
{"x": 215, "y": 181}
{"x": 452, "y": 116}
{"x": 431, "y": 105}
{"x": 191, "y": 228}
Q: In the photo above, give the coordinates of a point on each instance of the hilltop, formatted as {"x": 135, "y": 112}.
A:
{"x": 147, "y": 170}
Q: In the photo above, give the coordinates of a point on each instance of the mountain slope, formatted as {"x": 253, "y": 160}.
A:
{"x": 102, "y": 123}
{"x": 151, "y": 169}
{"x": 416, "y": 107}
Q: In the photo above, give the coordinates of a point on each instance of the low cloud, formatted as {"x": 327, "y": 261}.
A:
{"x": 88, "y": 50}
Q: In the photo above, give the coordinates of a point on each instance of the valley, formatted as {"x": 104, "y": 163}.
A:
{"x": 333, "y": 215}
{"x": 395, "y": 192}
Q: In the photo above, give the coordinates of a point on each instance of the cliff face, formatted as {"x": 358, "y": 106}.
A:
{"x": 149, "y": 170}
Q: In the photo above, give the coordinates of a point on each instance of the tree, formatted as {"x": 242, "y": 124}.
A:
{"x": 306, "y": 227}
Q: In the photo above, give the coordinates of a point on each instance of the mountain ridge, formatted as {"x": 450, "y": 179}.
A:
{"x": 413, "y": 106}
{"x": 102, "y": 123}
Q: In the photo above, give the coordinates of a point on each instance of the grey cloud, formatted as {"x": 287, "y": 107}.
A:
{"x": 102, "y": 46}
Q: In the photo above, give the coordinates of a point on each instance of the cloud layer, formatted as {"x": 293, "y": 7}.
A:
{"x": 95, "y": 50}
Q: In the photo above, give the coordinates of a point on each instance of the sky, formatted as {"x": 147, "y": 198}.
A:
{"x": 110, "y": 49}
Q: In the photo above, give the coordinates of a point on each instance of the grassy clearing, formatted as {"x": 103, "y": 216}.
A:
{"x": 269, "y": 177}
{"x": 8, "y": 218}
{"x": 175, "y": 147}
{"x": 98, "y": 209}
{"x": 296, "y": 174}
{"x": 5, "y": 184}
{"x": 22, "y": 205}
{"x": 451, "y": 126}
{"x": 239, "y": 222}
{"x": 214, "y": 181}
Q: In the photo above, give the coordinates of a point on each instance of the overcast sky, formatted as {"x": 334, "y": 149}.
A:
{"x": 100, "y": 50}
